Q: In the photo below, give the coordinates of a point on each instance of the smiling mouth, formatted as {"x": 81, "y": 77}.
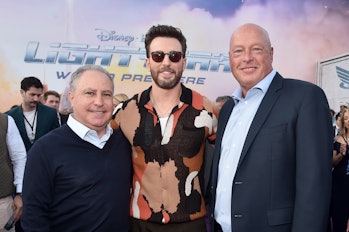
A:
{"x": 97, "y": 112}
{"x": 248, "y": 69}
{"x": 166, "y": 74}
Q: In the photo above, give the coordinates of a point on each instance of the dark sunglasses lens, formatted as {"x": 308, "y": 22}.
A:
{"x": 158, "y": 56}
{"x": 175, "y": 56}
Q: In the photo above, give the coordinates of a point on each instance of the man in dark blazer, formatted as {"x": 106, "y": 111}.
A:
{"x": 271, "y": 169}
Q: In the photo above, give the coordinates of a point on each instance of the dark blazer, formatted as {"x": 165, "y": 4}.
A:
{"x": 47, "y": 120}
{"x": 283, "y": 178}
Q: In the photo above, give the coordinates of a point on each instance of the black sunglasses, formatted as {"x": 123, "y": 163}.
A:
{"x": 159, "y": 56}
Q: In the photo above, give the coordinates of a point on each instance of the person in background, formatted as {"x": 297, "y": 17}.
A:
{"x": 333, "y": 114}
{"x": 120, "y": 97}
{"x": 343, "y": 107}
{"x": 271, "y": 169}
{"x": 167, "y": 125}
{"x": 32, "y": 118}
{"x": 337, "y": 124}
{"x": 12, "y": 162}
{"x": 340, "y": 176}
{"x": 52, "y": 98}
{"x": 220, "y": 100}
{"x": 78, "y": 177}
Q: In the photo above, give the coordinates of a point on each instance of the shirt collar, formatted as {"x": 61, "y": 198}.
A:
{"x": 81, "y": 130}
{"x": 186, "y": 96}
{"x": 262, "y": 85}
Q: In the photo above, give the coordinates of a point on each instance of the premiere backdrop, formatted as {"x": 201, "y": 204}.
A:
{"x": 50, "y": 39}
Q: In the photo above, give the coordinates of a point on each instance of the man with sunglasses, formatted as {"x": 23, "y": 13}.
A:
{"x": 167, "y": 125}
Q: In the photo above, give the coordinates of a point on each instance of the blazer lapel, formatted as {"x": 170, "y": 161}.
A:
{"x": 224, "y": 116}
{"x": 262, "y": 113}
{"x": 38, "y": 131}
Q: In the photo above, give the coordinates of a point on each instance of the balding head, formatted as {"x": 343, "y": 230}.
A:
{"x": 249, "y": 29}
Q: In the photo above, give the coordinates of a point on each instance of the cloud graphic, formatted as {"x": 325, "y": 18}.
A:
{"x": 302, "y": 33}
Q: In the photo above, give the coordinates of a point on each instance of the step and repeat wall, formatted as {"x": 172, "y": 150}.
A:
{"x": 50, "y": 39}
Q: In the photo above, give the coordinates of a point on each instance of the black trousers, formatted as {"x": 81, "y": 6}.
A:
{"x": 190, "y": 226}
{"x": 217, "y": 227}
{"x": 18, "y": 226}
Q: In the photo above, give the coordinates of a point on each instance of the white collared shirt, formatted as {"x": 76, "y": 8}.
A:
{"x": 232, "y": 144}
{"x": 17, "y": 152}
{"x": 87, "y": 134}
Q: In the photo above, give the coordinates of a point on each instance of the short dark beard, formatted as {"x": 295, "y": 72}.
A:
{"x": 166, "y": 85}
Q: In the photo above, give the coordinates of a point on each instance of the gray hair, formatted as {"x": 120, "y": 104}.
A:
{"x": 89, "y": 67}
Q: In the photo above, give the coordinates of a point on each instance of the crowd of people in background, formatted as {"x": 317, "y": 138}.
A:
{"x": 169, "y": 158}
{"x": 340, "y": 174}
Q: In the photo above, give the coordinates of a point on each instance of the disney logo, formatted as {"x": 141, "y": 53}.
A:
{"x": 105, "y": 35}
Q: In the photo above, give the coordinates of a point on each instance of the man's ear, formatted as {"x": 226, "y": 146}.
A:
{"x": 147, "y": 63}
{"x": 71, "y": 98}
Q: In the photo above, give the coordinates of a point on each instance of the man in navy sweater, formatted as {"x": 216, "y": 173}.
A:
{"x": 78, "y": 176}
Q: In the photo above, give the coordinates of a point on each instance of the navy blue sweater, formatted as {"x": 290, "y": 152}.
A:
{"x": 71, "y": 185}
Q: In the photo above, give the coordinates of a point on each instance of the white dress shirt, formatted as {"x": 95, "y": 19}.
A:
{"x": 17, "y": 152}
{"x": 87, "y": 134}
{"x": 232, "y": 143}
